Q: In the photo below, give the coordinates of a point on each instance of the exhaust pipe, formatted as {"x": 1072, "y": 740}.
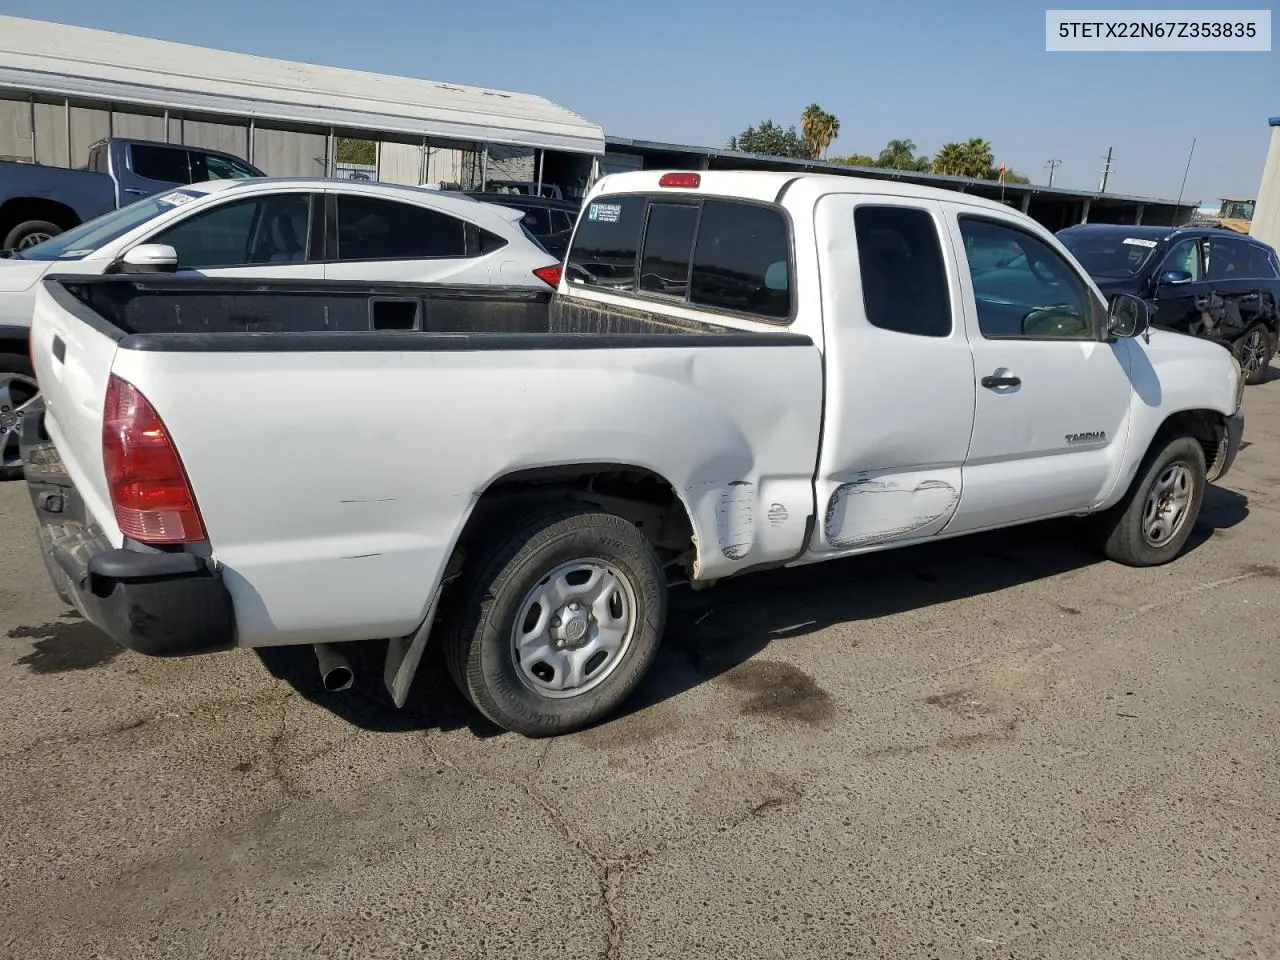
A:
{"x": 335, "y": 671}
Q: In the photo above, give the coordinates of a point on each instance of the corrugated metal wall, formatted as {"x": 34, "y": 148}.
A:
{"x": 15, "y": 129}
{"x": 400, "y": 162}
{"x": 289, "y": 153}
{"x": 1266, "y": 214}
{"x": 280, "y": 151}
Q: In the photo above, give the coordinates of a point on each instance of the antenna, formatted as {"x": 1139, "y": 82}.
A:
{"x": 1052, "y": 165}
{"x": 1177, "y": 210}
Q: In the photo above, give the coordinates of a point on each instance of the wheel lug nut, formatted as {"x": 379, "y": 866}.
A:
{"x": 574, "y": 606}
{"x": 555, "y": 622}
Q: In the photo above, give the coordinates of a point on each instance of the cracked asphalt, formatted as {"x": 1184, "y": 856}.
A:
{"x": 994, "y": 747}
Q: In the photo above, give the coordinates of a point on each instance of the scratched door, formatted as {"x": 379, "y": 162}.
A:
{"x": 900, "y": 382}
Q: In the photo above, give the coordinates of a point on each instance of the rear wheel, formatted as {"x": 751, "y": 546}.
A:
{"x": 29, "y": 233}
{"x": 18, "y": 391}
{"x": 1253, "y": 350}
{"x": 557, "y": 621}
{"x": 1150, "y": 526}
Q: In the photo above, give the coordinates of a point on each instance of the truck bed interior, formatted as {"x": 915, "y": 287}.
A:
{"x": 205, "y": 306}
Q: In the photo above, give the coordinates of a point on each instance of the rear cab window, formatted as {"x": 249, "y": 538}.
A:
{"x": 714, "y": 253}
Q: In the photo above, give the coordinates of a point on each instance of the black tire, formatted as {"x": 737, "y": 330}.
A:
{"x": 1253, "y": 350}
{"x": 495, "y": 586}
{"x": 28, "y": 229}
{"x": 1122, "y": 527}
{"x": 11, "y": 364}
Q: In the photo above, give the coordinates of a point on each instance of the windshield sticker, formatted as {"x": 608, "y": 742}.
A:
{"x": 177, "y": 198}
{"x": 1135, "y": 242}
{"x": 605, "y": 212}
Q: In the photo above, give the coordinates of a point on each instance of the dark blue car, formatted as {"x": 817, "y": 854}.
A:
{"x": 1204, "y": 281}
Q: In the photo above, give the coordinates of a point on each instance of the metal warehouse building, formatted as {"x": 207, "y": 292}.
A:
{"x": 62, "y": 88}
{"x": 1266, "y": 213}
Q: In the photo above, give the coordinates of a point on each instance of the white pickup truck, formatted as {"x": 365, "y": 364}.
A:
{"x": 737, "y": 371}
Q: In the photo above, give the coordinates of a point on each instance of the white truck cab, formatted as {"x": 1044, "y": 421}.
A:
{"x": 737, "y": 371}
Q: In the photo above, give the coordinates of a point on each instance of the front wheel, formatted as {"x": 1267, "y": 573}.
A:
{"x": 558, "y": 621}
{"x": 1253, "y": 350}
{"x": 1150, "y": 526}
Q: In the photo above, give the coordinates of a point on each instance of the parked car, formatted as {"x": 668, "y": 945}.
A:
{"x": 269, "y": 229}
{"x": 524, "y": 188}
{"x": 779, "y": 370}
{"x": 1208, "y": 282}
{"x": 550, "y": 221}
{"x": 38, "y": 202}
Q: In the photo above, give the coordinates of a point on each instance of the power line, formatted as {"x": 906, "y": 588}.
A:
{"x": 1052, "y": 165}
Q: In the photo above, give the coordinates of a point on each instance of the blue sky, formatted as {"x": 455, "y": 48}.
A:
{"x": 693, "y": 72}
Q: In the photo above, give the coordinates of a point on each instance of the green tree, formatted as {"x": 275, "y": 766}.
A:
{"x": 1010, "y": 175}
{"x": 771, "y": 140}
{"x": 819, "y": 128}
{"x": 854, "y": 160}
{"x": 901, "y": 155}
{"x": 969, "y": 159}
{"x": 350, "y": 150}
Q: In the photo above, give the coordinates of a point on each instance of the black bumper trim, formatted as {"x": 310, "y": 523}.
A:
{"x": 1235, "y": 432}
{"x": 153, "y": 602}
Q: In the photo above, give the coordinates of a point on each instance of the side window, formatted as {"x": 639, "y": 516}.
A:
{"x": 1261, "y": 263}
{"x": 167, "y": 164}
{"x": 904, "y": 281}
{"x": 210, "y": 166}
{"x": 742, "y": 260}
{"x": 262, "y": 230}
{"x": 538, "y": 221}
{"x": 1226, "y": 258}
{"x": 1022, "y": 287}
{"x": 1186, "y": 257}
{"x": 606, "y": 243}
{"x": 668, "y": 242}
{"x": 561, "y": 221}
{"x": 373, "y": 229}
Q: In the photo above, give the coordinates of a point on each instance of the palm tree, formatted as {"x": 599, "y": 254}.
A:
{"x": 977, "y": 157}
{"x": 812, "y": 125}
{"x": 901, "y": 155}
{"x": 950, "y": 160}
{"x": 829, "y": 130}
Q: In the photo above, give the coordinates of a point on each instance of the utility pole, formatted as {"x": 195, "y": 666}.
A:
{"x": 1106, "y": 172}
{"x": 1177, "y": 210}
{"x": 1052, "y": 165}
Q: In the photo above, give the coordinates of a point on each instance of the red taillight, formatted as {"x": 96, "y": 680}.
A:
{"x": 680, "y": 180}
{"x": 549, "y": 275}
{"x": 149, "y": 488}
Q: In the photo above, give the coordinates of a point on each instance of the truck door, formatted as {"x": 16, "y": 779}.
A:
{"x": 1052, "y": 412}
{"x": 900, "y": 379}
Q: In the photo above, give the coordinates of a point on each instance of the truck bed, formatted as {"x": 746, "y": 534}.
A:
{"x": 178, "y": 309}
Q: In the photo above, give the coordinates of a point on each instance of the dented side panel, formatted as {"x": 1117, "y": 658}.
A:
{"x": 868, "y": 510}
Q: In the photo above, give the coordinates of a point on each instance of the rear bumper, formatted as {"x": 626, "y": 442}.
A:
{"x": 1230, "y": 444}
{"x": 157, "y": 603}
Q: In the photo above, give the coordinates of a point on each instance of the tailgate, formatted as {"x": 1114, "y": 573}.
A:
{"x": 73, "y": 349}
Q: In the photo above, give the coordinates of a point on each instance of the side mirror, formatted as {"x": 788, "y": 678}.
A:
{"x": 1172, "y": 278}
{"x": 149, "y": 258}
{"x": 1127, "y": 316}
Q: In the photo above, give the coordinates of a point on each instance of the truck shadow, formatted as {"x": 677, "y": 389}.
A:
{"x": 709, "y": 633}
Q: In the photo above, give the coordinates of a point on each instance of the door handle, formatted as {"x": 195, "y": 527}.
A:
{"x": 995, "y": 383}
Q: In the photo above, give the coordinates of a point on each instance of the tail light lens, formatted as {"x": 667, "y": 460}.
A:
{"x": 549, "y": 275}
{"x": 149, "y": 488}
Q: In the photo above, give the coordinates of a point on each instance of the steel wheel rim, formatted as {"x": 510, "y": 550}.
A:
{"x": 1168, "y": 503}
{"x": 1254, "y": 350}
{"x": 573, "y": 628}
{"x": 17, "y": 393}
{"x": 31, "y": 239}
